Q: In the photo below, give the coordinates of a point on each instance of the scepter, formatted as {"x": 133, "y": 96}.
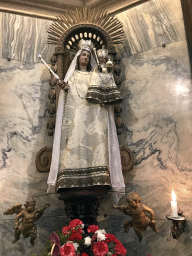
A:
{"x": 95, "y": 52}
{"x": 97, "y": 60}
{"x": 57, "y": 136}
{"x": 52, "y": 72}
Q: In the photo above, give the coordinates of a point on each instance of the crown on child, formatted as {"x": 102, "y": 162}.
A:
{"x": 85, "y": 45}
{"x": 102, "y": 52}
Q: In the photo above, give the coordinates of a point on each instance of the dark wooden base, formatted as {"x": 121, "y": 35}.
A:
{"x": 83, "y": 203}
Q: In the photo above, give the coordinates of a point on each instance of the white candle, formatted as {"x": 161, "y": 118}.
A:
{"x": 174, "y": 205}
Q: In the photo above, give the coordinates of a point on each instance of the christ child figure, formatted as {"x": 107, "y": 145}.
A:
{"x": 102, "y": 88}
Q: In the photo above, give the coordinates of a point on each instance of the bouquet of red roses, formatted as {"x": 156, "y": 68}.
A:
{"x": 73, "y": 242}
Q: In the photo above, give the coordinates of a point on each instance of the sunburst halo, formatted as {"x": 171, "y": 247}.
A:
{"x": 89, "y": 16}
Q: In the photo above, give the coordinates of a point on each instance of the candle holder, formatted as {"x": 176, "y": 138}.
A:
{"x": 178, "y": 224}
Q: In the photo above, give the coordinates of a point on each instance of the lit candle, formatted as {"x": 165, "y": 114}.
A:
{"x": 174, "y": 205}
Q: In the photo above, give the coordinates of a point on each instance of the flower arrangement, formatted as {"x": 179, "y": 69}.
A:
{"x": 72, "y": 242}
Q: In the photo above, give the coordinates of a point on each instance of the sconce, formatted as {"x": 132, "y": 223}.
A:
{"x": 178, "y": 224}
{"x": 177, "y": 217}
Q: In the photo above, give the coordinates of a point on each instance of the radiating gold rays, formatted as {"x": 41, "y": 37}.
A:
{"x": 102, "y": 19}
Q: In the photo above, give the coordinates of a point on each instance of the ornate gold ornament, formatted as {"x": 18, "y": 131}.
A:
{"x": 96, "y": 19}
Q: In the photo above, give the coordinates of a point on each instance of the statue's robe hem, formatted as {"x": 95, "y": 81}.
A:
{"x": 83, "y": 177}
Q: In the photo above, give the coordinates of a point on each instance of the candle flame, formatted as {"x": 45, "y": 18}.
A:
{"x": 173, "y": 196}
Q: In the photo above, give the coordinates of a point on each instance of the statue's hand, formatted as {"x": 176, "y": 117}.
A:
{"x": 64, "y": 86}
{"x": 115, "y": 206}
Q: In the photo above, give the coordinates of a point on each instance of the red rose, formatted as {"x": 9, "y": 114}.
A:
{"x": 100, "y": 249}
{"x": 110, "y": 238}
{"x": 80, "y": 230}
{"x": 120, "y": 249}
{"x": 75, "y": 236}
{"x": 114, "y": 255}
{"x": 67, "y": 250}
{"x": 92, "y": 228}
{"x": 65, "y": 230}
{"x": 74, "y": 223}
{"x": 84, "y": 254}
{"x": 74, "y": 231}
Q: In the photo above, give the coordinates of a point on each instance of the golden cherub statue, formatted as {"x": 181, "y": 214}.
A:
{"x": 137, "y": 211}
{"x": 24, "y": 221}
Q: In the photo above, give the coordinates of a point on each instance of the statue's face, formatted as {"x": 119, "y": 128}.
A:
{"x": 132, "y": 203}
{"x": 84, "y": 58}
{"x": 102, "y": 60}
{"x": 31, "y": 207}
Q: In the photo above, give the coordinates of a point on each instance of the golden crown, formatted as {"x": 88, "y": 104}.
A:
{"x": 102, "y": 52}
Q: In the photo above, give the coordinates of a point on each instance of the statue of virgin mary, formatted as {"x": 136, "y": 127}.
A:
{"x": 85, "y": 149}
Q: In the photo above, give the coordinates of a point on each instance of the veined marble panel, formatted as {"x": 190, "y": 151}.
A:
{"x": 23, "y": 103}
{"x": 157, "y": 117}
{"x": 25, "y": 37}
{"x": 152, "y": 24}
{"x": 1, "y": 38}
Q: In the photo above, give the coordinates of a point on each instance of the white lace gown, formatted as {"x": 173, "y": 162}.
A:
{"x": 84, "y": 149}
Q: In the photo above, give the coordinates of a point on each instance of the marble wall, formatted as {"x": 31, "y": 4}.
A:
{"x": 24, "y": 84}
{"x": 157, "y": 126}
{"x": 158, "y": 129}
{"x": 25, "y": 37}
{"x": 151, "y": 25}
{"x": 157, "y": 120}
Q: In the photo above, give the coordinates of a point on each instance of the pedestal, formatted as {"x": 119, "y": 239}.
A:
{"x": 83, "y": 203}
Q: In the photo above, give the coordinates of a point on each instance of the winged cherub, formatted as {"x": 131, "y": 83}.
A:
{"x": 24, "y": 221}
{"x": 142, "y": 215}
